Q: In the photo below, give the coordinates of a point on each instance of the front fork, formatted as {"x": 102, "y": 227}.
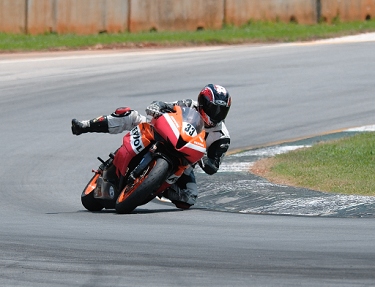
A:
{"x": 147, "y": 158}
{"x": 153, "y": 152}
{"x": 107, "y": 183}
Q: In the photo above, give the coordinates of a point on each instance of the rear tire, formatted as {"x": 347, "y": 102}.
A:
{"x": 139, "y": 192}
{"x": 87, "y": 196}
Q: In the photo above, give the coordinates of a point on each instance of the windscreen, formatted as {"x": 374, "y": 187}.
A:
{"x": 192, "y": 117}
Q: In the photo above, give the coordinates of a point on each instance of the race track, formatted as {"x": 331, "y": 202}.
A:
{"x": 280, "y": 92}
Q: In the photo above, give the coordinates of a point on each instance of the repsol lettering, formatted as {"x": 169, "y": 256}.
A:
{"x": 136, "y": 140}
{"x": 135, "y": 131}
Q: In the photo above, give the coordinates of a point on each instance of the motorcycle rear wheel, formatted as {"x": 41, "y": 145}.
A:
{"x": 87, "y": 196}
{"x": 139, "y": 192}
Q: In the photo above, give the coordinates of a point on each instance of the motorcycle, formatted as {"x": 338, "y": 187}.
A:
{"x": 151, "y": 158}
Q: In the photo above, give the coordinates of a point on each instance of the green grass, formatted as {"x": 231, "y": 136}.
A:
{"x": 252, "y": 32}
{"x": 344, "y": 166}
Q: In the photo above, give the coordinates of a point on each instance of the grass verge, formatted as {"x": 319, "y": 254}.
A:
{"x": 343, "y": 166}
{"x": 252, "y": 32}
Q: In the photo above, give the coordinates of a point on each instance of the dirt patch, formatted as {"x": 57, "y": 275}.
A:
{"x": 263, "y": 169}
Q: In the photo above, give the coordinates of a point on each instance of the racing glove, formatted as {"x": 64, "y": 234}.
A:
{"x": 208, "y": 165}
{"x": 210, "y": 162}
{"x": 157, "y": 108}
{"x": 98, "y": 125}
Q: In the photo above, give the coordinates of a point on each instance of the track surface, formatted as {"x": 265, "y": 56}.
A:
{"x": 279, "y": 92}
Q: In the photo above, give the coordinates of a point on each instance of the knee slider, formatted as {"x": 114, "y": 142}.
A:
{"x": 122, "y": 112}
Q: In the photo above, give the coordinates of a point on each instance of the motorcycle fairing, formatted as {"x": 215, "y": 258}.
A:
{"x": 92, "y": 184}
{"x": 184, "y": 130}
{"x": 133, "y": 143}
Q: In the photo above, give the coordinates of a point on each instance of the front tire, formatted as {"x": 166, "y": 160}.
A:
{"x": 139, "y": 192}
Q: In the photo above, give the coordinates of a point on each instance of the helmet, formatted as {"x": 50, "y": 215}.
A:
{"x": 213, "y": 104}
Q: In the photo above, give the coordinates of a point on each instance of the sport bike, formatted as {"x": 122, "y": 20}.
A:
{"x": 151, "y": 158}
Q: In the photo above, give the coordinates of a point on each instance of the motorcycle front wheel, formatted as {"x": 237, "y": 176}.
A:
{"x": 137, "y": 193}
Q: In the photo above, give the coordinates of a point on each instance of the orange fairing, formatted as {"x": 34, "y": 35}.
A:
{"x": 141, "y": 137}
{"x": 184, "y": 129}
{"x": 134, "y": 142}
{"x": 92, "y": 184}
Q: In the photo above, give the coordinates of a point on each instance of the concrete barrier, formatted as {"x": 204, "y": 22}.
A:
{"x": 347, "y": 10}
{"x": 13, "y": 16}
{"x": 112, "y": 16}
{"x": 116, "y": 17}
{"x": 91, "y": 16}
{"x": 175, "y": 15}
{"x": 40, "y": 16}
{"x": 64, "y": 16}
{"x": 239, "y": 12}
{"x": 79, "y": 16}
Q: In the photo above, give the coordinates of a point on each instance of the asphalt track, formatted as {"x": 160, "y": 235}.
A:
{"x": 280, "y": 92}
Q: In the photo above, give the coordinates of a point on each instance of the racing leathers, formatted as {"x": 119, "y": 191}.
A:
{"x": 184, "y": 192}
{"x": 121, "y": 120}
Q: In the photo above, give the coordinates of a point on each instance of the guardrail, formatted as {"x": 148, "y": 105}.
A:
{"x": 112, "y": 16}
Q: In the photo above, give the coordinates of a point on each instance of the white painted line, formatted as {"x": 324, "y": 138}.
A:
{"x": 62, "y": 56}
{"x": 270, "y": 151}
{"x": 263, "y": 152}
{"x": 366, "y": 37}
{"x": 361, "y": 38}
{"x": 370, "y": 128}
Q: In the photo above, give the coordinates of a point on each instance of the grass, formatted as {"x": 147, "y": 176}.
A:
{"x": 252, "y": 32}
{"x": 344, "y": 166}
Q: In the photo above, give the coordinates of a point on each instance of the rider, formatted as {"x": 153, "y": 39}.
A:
{"x": 213, "y": 105}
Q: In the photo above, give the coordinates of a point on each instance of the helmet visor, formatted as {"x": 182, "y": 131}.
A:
{"x": 216, "y": 112}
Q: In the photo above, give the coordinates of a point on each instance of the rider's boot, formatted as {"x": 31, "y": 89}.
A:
{"x": 98, "y": 125}
{"x": 182, "y": 198}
